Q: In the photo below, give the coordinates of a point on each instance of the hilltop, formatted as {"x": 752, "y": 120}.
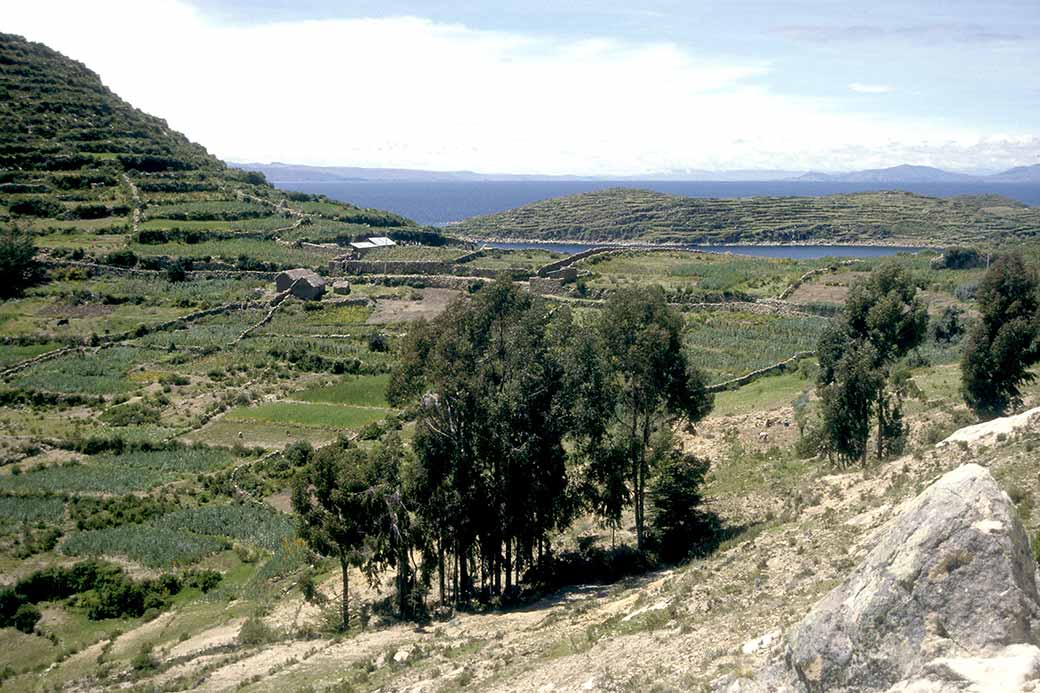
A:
{"x": 893, "y": 218}
{"x": 76, "y": 159}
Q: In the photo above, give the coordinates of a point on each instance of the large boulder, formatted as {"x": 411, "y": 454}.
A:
{"x": 946, "y": 600}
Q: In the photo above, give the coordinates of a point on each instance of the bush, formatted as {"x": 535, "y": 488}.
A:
{"x": 133, "y": 414}
{"x": 177, "y": 271}
{"x": 255, "y": 632}
{"x": 144, "y": 660}
{"x": 203, "y": 580}
{"x": 949, "y": 327}
{"x": 121, "y": 258}
{"x": 26, "y": 617}
{"x": 378, "y": 342}
{"x": 18, "y": 265}
{"x": 37, "y": 207}
{"x": 958, "y": 258}
{"x": 675, "y": 497}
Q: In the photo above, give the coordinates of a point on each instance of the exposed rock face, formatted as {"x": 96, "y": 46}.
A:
{"x": 304, "y": 283}
{"x": 946, "y": 600}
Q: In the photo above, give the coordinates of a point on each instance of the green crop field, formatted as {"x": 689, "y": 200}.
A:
{"x": 156, "y": 547}
{"x": 251, "y": 522}
{"x": 310, "y": 415}
{"x": 107, "y": 474}
{"x": 729, "y": 344}
{"x": 103, "y": 372}
{"x": 18, "y": 509}
{"x": 706, "y": 272}
{"x": 366, "y": 390}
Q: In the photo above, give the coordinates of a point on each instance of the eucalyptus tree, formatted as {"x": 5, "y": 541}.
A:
{"x": 654, "y": 385}
{"x": 350, "y": 507}
{"x": 488, "y": 383}
{"x": 1005, "y": 342}
{"x": 883, "y": 319}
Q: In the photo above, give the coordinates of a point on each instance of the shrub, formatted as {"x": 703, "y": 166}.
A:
{"x": 255, "y": 632}
{"x": 26, "y": 617}
{"x": 144, "y": 660}
{"x": 958, "y": 258}
{"x": 949, "y": 327}
{"x": 675, "y": 498}
{"x": 177, "y": 271}
{"x": 203, "y": 580}
{"x": 18, "y": 265}
{"x": 121, "y": 258}
{"x": 378, "y": 342}
{"x": 37, "y": 207}
{"x": 133, "y": 414}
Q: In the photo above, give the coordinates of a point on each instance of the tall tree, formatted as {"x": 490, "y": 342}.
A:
{"x": 656, "y": 384}
{"x": 848, "y": 400}
{"x": 349, "y": 506}
{"x": 1005, "y": 342}
{"x": 489, "y": 383}
{"x": 882, "y": 320}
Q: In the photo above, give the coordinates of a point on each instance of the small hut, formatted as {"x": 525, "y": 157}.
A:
{"x": 305, "y": 284}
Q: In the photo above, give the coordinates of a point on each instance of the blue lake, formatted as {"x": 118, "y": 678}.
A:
{"x": 441, "y": 203}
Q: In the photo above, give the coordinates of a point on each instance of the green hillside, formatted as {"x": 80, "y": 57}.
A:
{"x": 896, "y": 218}
{"x": 84, "y": 170}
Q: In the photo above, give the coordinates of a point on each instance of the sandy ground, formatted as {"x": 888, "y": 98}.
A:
{"x": 433, "y": 303}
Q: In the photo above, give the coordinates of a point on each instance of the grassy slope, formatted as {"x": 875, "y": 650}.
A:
{"x": 621, "y": 214}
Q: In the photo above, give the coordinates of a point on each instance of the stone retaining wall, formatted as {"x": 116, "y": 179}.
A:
{"x": 417, "y": 267}
{"x": 547, "y": 286}
{"x": 753, "y": 375}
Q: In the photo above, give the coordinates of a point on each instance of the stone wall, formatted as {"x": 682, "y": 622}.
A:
{"x": 754, "y": 375}
{"x": 546, "y": 270}
{"x": 546, "y": 286}
{"x": 418, "y": 267}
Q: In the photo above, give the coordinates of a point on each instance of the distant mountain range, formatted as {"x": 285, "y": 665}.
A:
{"x": 279, "y": 173}
{"x": 923, "y": 174}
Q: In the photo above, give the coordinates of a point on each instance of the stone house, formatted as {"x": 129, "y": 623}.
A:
{"x": 305, "y": 284}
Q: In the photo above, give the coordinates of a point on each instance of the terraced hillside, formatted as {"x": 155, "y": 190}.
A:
{"x": 894, "y": 218}
{"x": 87, "y": 173}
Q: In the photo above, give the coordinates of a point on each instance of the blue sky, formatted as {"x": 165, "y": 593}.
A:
{"x": 576, "y": 86}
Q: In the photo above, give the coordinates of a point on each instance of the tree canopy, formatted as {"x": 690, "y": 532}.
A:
{"x": 1005, "y": 342}
{"x": 882, "y": 320}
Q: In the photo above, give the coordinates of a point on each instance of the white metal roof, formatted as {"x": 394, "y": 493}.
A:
{"x": 363, "y": 245}
{"x": 381, "y": 241}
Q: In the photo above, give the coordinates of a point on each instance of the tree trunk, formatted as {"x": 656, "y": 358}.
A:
{"x": 403, "y": 578}
{"x": 881, "y": 427}
{"x": 440, "y": 568}
{"x": 346, "y": 583}
{"x": 509, "y": 564}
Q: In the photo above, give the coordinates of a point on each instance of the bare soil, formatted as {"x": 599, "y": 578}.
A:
{"x": 433, "y": 303}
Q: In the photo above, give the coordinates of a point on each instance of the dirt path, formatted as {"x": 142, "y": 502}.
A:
{"x": 135, "y": 206}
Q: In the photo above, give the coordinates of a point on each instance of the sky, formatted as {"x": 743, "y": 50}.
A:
{"x": 571, "y": 86}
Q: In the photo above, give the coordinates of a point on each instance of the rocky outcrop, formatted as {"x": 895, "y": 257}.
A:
{"x": 945, "y": 601}
{"x": 987, "y": 432}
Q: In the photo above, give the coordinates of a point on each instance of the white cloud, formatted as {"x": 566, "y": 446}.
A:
{"x": 408, "y": 92}
{"x": 861, "y": 88}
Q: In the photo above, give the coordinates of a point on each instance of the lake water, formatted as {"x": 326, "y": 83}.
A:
{"x": 796, "y": 252}
{"x": 442, "y": 203}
